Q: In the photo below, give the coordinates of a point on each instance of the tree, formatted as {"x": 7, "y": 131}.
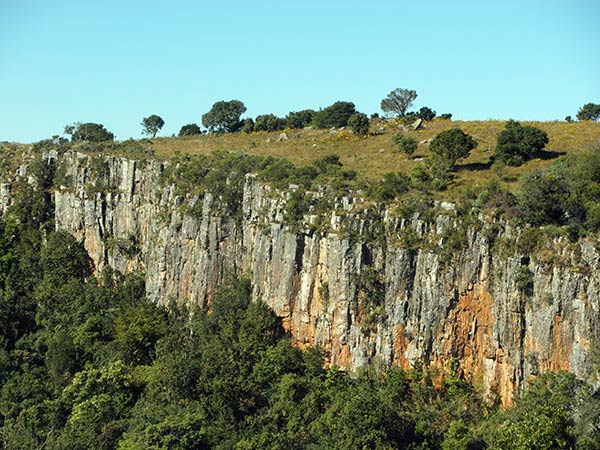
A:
{"x": 152, "y": 125}
{"x": 92, "y": 132}
{"x": 299, "y": 119}
{"x": 224, "y": 117}
{"x": 451, "y": 145}
{"x": 248, "y": 125}
{"x": 589, "y": 111}
{"x": 335, "y": 115}
{"x": 190, "y": 129}
{"x": 405, "y": 144}
{"x": 516, "y": 143}
{"x": 359, "y": 122}
{"x": 268, "y": 122}
{"x": 426, "y": 113}
{"x": 398, "y": 101}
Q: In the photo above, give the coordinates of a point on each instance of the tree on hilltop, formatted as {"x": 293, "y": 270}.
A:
{"x": 224, "y": 117}
{"x": 517, "y": 144}
{"x": 449, "y": 146}
{"x": 589, "y": 111}
{"x": 190, "y": 129}
{"x": 89, "y": 131}
{"x": 152, "y": 125}
{"x": 398, "y": 101}
{"x": 335, "y": 115}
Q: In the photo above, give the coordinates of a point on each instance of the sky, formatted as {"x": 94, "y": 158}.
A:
{"x": 116, "y": 62}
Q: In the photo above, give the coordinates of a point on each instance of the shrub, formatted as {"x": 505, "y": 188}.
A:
{"x": 445, "y": 116}
{"x": 542, "y": 198}
{"x": 391, "y": 186}
{"x": 335, "y": 115}
{"x": 248, "y": 125}
{"x": 191, "y": 129}
{"x": 268, "y": 122}
{"x": 451, "y": 145}
{"x": 405, "y": 144}
{"x": 299, "y": 119}
{"x": 359, "y": 123}
{"x": 516, "y": 143}
{"x": 426, "y": 113}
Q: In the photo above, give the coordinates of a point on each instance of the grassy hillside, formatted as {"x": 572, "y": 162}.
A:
{"x": 375, "y": 155}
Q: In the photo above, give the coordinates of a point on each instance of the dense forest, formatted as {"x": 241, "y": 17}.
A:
{"x": 87, "y": 362}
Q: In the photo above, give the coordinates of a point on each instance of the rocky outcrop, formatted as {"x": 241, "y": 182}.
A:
{"x": 483, "y": 308}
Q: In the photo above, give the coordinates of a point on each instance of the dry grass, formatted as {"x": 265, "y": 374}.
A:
{"x": 375, "y": 155}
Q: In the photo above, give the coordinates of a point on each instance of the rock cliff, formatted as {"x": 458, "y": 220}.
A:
{"x": 370, "y": 288}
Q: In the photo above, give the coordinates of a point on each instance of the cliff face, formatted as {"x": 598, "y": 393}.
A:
{"x": 485, "y": 309}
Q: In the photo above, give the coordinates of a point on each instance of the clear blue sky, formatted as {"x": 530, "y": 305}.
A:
{"x": 115, "y": 62}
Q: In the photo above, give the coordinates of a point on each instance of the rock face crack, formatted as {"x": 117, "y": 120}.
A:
{"x": 461, "y": 310}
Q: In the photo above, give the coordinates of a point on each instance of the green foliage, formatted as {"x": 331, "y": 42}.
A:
{"x": 517, "y": 144}
{"x": 426, "y": 113}
{"x": 268, "y": 122}
{"x": 248, "y": 125}
{"x": 359, "y": 123}
{"x": 398, "y": 101}
{"x": 390, "y": 187}
{"x": 299, "y": 119}
{"x": 224, "y": 116}
{"x": 335, "y": 115}
{"x": 449, "y": 146}
{"x": 190, "y": 129}
{"x": 589, "y": 111}
{"x": 91, "y": 132}
{"x": 542, "y": 198}
{"x": 406, "y": 144}
{"x": 152, "y": 125}
{"x": 445, "y": 116}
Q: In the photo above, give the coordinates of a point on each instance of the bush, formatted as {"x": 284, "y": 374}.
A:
{"x": 391, "y": 186}
{"x": 335, "y": 115}
{"x": 517, "y": 144}
{"x": 451, "y": 145}
{"x": 542, "y": 198}
{"x": 299, "y": 119}
{"x": 445, "y": 116}
{"x": 426, "y": 113}
{"x": 190, "y": 129}
{"x": 359, "y": 123}
{"x": 268, "y": 122}
{"x": 405, "y": 144}
{"x": 248, "y": 125}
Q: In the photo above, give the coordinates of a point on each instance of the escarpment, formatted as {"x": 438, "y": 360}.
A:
{"x": 366, "y": 286}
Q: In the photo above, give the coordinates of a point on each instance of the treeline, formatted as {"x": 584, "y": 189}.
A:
{"x": 87, "y": 363}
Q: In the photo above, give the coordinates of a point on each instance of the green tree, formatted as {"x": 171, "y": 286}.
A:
{"x": 426, "y": 113}
{"x": 152, "y": 125}
{"x": 359, "y": 123}
{"x": 398, "y": 101}
{"x": 248, "y": 125}
{"x": 91, "y": 132}
{"x": 268, "y": 122}
{"x": 335, "y": 115}
{"x": 451, "y": 145}
{"x": 405, "y": 143}
{"x": 299, "y": 119}
{"x": 191, "y": 129}
{"x": 589, "y": 111}
{"x": 517, "y": 144}
{"x": 224, "y": 116}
